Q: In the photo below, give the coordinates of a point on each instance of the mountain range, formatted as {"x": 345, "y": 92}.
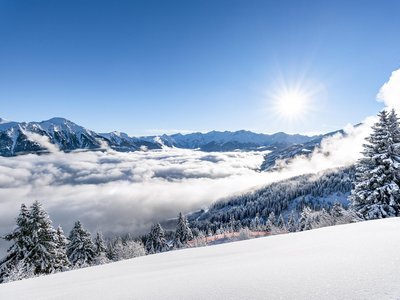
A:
{"x": 16, "y": 138}
{"x": 230, "y": 141}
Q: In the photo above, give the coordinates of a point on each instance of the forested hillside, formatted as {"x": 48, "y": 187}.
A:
{"x": 316, "y": 191}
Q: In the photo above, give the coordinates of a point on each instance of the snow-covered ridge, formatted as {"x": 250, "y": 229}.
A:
{"x": 354, "y": 261}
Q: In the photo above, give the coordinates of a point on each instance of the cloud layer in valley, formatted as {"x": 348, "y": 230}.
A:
{"x": 125, "y": 192}
{"x": 115, "y": 191}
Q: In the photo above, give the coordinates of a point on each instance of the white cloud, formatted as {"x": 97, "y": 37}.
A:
{"x": 390, "y": 91}
{"x": 41, "y": 140}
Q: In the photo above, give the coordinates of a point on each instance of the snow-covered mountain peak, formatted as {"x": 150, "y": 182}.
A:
{"x": 61, "y": 124}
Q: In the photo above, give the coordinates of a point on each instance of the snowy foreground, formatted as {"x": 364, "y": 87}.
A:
{"x": 356, "y": 261}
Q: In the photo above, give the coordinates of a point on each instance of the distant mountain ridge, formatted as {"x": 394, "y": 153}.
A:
{"x": 16, "y": 138}
{"x": 229, "y": 141}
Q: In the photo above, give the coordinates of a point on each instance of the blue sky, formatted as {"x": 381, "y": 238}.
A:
{"x": 148, "y": 66}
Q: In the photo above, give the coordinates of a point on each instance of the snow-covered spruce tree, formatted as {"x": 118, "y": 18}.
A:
{"x": 62, "y": 248}
{"x": 156, "y": 240}
{"x": 35, "y": 250}
{"x": 281, "y": 223}
{"x": 268, "y": 226}
{"x": 149, "y": 246}
{"x": 376, "y": 191}
{"x": 20, "y": 237}
{"x": 18, "y": 272}
{"x": 44, "y": 255}
{"x": 291, "y": 224}
{"x": 304, "y": 221}
{"x": 183, "y": 233}
{"x": 100, "y": 250}
{"x": 117, "y": 249}
{"x": 231, "y": 224}
{"x": 394, "y": 130}
{"x": 272, "y": 218}
{"x": 256, "y": 224}
{"x": 271, "y": 223}
{"x": 342, "y": 216}
{"x": 80, "y": 249}
{"x": 337, "y": 210}
{"x": 61, "y": 239}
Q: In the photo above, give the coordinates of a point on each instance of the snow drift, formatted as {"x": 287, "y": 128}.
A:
{"x": 356, "y": 261}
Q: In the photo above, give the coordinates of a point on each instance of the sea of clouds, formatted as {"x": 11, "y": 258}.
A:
{"x": 126, "y": 192}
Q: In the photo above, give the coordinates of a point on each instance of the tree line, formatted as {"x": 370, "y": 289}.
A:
{"x": 38, "y": 248}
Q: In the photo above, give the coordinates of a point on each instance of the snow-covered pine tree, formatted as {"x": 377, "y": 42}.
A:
{"x": 281, "y": 223}
{"x": 156, "y": 240}
{"x": 149, "y": 246}
{"x": 80, "y": 249}
{"x": 100, "y": 250}
{"x": 256, "y": 224}
{"x": 183, "y": 233}
{"x": 268, "y": 226}
{"x": 61, "y": 239}
{"x": 291, "y": 224}
{"x": 394, "y": 130}
{"x": 342, "y": 216}
{"x": 117, "y": 249}
{"x": 44, "y": 255}
{"x": 304, "y": 221}
{"x": 376, "y": 192}
{"x": 21, "y": 246}
{"x": 394, "y": 149}
{"x": 231, "y": 225}
{"x": 272, "y": 218}
{"x": 337, "y": 210}
{"x": 62, "y": 248}
{"x": 18, "y": 272}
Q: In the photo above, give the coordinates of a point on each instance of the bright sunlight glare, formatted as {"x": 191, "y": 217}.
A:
{"x": 291, "y": 104}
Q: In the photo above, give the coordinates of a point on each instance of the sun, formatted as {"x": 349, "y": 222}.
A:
{"x": 294, "y": 100}
{"x": 291, "y": 104}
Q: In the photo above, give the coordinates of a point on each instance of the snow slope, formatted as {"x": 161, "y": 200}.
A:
{"x": 356, "y": 261}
